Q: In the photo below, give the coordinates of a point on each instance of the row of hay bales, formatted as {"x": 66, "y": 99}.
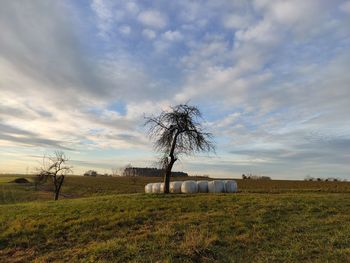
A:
{"x": 189, "y": 187}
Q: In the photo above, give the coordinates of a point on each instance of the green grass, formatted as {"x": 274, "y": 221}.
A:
{"x": 111, "y": 220}
{"x": 5, "y": 179}
{"x": 246, "y": 227}
{"x": 73, "y": 187}
{"x": 78, "y": 186}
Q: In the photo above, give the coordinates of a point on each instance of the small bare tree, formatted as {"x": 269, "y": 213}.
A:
{"x": 55, "y": 167}
{"x": 177, "y": 132}
{"x": 114, "y": 172}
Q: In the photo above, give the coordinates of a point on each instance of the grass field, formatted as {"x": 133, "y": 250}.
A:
{"x": 109, "y": 220}
{"x": 5, "y": 179}
{"x": 78, "y": 186}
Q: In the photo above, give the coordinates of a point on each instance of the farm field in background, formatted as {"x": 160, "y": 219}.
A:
{"x": 83, "y": 186}
{"x": 110, "y": 219}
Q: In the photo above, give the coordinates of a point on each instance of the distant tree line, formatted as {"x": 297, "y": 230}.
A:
{"x": 93, "y": 173}
{"x": 135, "y": 171}
{"x": 319, "y": 179}
{"x": 139, "y": 171}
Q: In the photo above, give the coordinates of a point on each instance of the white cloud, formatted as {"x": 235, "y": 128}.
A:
{"x": 148, "y": 33}
{"x": 227, "y": 121}
{"x": 345, "y": 7}
{"x": 264, "y": 32}
{"x": 36, "y": 88}
{"x": 125, "y": 29}
{"x": 153, "y": 18}
{"x": 235, "y": 21}
{"x": 189, "y": 11}
{"x": 212, "y": 51}
{"x": 290, "y": 12}
{"x": 173, "y": 36}
{"x": 104, "y": 14}
{"x": 160, "y": 46}
{"x": 132, "y": 7}
{"x": 296, "y": 15}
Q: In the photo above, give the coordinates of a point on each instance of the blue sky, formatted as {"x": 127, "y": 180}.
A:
{"x": 271, "y": 78}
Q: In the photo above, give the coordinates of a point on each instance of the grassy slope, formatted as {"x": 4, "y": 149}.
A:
{"x": 243, "y": 227}
{"x": 73, "y": 187}
{"x": 299, "y": 222}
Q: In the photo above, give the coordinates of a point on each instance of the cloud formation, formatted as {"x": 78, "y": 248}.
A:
{"x": 152, "y": 18}
{"x": 270, "y": 77}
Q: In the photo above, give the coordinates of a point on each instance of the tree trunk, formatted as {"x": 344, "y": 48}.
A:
{"x": 56, "y": 195}
{"x": 58, "y": 188}
{"x": 167, "y": 176}
{"x": 170, "y": 165}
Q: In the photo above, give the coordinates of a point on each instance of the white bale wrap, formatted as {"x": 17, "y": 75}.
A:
{"x": 156, "y": 188}
{"x": 148, "y": 188}
{"x": 230, "y": 186}
{"x": 175, "y": 187}
{"x": 162, "y": 186}
{"x": 216, "y": 186}
{"x": 202, "y": 186}
{"x": 189, "y": 187}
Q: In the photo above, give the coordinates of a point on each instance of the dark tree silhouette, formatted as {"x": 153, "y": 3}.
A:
{"x": 177, "y": 132}
{"x": 54, "y": 167}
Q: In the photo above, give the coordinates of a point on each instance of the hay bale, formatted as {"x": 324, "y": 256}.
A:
{"x": 230, "y": 186}
{"x": 189, "y": 187}
{"x": 216, "y": 186}
{"x": 175, "y": 187}
{"x": 156, "y": 188}
{"x": 162, "y": 186}
{"x": 148, "y": 188}
{"x": 202, "y": 186}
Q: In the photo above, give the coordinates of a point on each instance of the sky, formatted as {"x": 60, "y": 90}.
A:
{"x": 271, "y": 78}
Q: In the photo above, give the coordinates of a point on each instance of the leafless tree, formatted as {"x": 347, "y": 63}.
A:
{"x": 130, "y": 172}
{"x": 54, "y": 167}
{"x": 175, "y": 132}
{"x": 114, "y": 172}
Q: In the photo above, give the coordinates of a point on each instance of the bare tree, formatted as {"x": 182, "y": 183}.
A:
{"x": 114, "y": 172}
{"x": 177, "y": 132}
{"x": 55, "y": 167}
{"x": 131, "y": 172}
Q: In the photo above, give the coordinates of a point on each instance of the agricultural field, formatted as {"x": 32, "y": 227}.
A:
{"x": 108, "y": 219}
{"x": 78, "y": 186}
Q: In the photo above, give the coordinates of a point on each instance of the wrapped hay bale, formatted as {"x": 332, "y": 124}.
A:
{"x": 189, "y": 187}
{"x": 230, "y": 186}
{"x": 216, "y": 186}
{"x": 148, "y": 188}
{"x": 175, "y": 187}
{"x": 162, "y": 186}
{"x": 156, "y": 188}
{"x": 202, "y": 186}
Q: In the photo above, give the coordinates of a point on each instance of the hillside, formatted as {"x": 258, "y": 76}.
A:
{"x": 110, "y": 219}
{"x": 245, "y": 227}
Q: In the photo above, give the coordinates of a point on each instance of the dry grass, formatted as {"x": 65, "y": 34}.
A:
{"x": 244, "y": 227}
{"x": 78, "y": 186}
{"x": 267, "y": 221}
